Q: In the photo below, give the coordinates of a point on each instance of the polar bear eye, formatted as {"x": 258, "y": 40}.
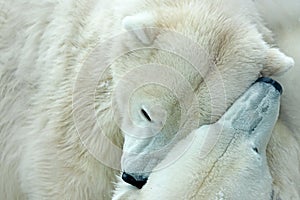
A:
{"x": 255, "y": 149}
{"x": 146, "y": 115}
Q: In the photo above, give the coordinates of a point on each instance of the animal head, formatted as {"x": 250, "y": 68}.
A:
{"x": 224, "y": 160}
{"x": 182, "y": 69}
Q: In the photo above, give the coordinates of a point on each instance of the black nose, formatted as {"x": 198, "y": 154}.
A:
{"x": 272, "y": 82}
{"x": 137, "y": 182}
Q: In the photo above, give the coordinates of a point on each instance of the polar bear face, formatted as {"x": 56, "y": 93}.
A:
{"x": 179, "y": 74}
{"x": 224, "y": 160}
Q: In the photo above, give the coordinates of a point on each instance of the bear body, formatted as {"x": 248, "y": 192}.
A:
{"x": 54, "y": 98}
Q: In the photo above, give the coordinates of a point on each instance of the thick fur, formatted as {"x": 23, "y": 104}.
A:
{"x": 42, "y": 47}
{"x": 286, "y": 136}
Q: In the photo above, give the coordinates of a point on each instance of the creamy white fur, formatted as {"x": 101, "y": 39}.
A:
{"x": 283, "y": 19}
{"x": 42, "y": 47}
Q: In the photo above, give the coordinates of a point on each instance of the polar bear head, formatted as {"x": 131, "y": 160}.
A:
{"x": 183, "y": 66}
{"x": 224, "y": 160}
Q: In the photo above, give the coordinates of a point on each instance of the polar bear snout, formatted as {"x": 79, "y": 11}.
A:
{"x": 255, "y": 113}
{"x": 260, "y": 104}
{"x": 137, "y": 181}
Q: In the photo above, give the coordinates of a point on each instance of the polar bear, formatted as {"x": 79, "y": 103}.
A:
{"x": 143, "y": 150}
{"x": 235, "y": 167}
{"x": 77, "y": 75}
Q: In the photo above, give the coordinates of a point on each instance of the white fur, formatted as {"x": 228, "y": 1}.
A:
{"x": 138, "y": 25}
{"x": 43, "y": 45}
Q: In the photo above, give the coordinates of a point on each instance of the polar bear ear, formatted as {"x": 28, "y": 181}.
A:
{"x": 277, "y": 63}
{"x": 141, "y": 26}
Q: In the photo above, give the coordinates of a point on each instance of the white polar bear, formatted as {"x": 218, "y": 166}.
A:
{"x": 225, "y": 160}
{"x": 55, "y": 94}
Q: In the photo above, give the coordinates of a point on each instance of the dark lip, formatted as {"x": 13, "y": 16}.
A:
{"x": 139, "y": 183}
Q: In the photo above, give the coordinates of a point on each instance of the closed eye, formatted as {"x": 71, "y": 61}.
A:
{"x": 146, "y": 115}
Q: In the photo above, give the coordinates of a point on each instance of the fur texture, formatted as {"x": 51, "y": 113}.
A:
{"x": 44, "y": 46}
